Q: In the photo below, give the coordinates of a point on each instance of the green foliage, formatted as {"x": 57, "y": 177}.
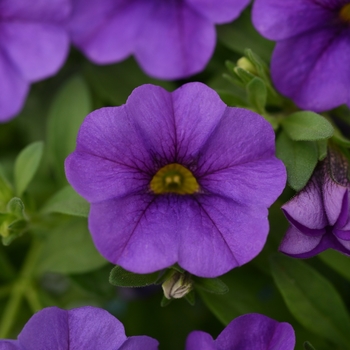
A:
{"x": 211, "y": 285}
{"x": 307, "y": 126}
{"x": 312, "y": 299}
{"x": 122, "y": 278}
{"x": 26, "y": 165}
{"x": 337, "y": 261}
{"x": 257, "y": 94}
{"x": 69, "y": 108}
{"x": 67, "y": 201}
{"x": 60, "y": 247}
{"x": 299, "y": 157}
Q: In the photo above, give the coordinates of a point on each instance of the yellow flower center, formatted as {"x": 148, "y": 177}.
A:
{"x": 345, "y": 13}
{"x": 174, "y": 178}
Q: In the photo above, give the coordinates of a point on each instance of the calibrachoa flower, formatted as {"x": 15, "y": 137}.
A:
{"x": 310, "y": 63}
{"x": 33, "y": 46}
{"x": 177, "y": 177}
{"x": 85, "y": 328}
{"x": 247, "y": 332}
{"x": 170, "y": 39}
{"x": 319, "y": 214}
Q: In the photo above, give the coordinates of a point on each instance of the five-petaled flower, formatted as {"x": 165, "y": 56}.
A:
{"x": 247, "y": 332}
{"x": 177, "y": 177}
{"x": 310, "y": 63}
{"x": 170, "y": 39}
{"x": 33, "y": 45}
{"x": 319, "y": 214}
{"x": 85, "y": 328}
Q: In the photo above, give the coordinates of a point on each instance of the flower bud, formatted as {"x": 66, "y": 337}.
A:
{"x": 177, "y": 285}
{"x": 247, "y": 65}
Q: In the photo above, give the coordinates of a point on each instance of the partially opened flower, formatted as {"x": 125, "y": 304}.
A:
{"x": 33, "y": 46}
{"x": 247, "y": 332}
{"x": 177, "y": 177}
{"x": 170, "y": 39}
{"x": 319, "y": 214}
{"x": 310, "y": 63}
{"x": 85, "y": 328}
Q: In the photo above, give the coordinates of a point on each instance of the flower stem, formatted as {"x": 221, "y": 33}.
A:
{"x": 19, "y": 289}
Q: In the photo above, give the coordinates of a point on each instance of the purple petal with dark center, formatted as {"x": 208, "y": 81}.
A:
{"x": 200, "y": 340}
{"x": 37, "y": 49}
{"x": 238, "y": 160}
{"x": 313, "y": 68}
{"x": 107, "y": 31}
{"x": 175, "y": 41}
{"x": 38, "y": 11}
{"x": 305, "y": 210}
{"x": 278, "y": 20}
{"x": 87, "y": 328}
{"x": 206, "y": 235}
{"x": 219, "y": 11}
{"x": 13, "y": 89}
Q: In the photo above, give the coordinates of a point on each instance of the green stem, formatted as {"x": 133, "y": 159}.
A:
{"x": 7, "y": 270}
{"x": 32, "y": 298}
{"x": 19, "y": 289}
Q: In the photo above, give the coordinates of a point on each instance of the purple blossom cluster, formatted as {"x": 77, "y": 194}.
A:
{"x": 91, "y": 328}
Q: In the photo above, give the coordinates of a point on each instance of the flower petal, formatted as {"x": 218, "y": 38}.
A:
{"x": 313, "y": 69}
{"x": 200, "y": 340}
{"x": 175, "y": 126}
{"x": 86, "y": 327}
{"x": 305, "y": 210}
{"x": 106, "y": 31}
{"x": 258, "y": 332}
{"x": 9, "y": 345}
{"x": 278, "y": 20}
{"x": 298, "y": 245}
{"x": 13, "y": 89}
{"x": 183, "y": 41}
{"x": 38, "y": 11}
{"x": 238, "y": 159}
{"x": 219, "y": 12}
{"x": 38, "y": 50}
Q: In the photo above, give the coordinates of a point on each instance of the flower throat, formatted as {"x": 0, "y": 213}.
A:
{"x": 174, "y": 178}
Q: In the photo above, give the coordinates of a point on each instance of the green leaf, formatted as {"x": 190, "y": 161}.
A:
{"x": 323, "y": 312}
{"x": 307, "y": 126}
{"x": 308, "y": 346}
{"x": 26, "y": 165}
{"x": 340, "y": 139}
{"x": 245, "y": 76}
{"x": 257, "y": 94}
{"x": 68, "y": 249}
{"x": 211, "y": 285}
{"x": 240, "y": 34}
{"x": 68, "y": 110}
{"x": 322, "y": 149}
{"x": 191, "y": 298}
{"x": 16, "y": 207}
{"x": 337, "y": 261}
{"x": 165, "y": 302}
{"x": 122, "y": 278}
{"x": 299, "y": 157}
{"x": 67, "y": 201}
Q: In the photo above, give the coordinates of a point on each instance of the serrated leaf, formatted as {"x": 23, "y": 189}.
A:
{"x": 324, "y": 312}
{"x": 211, "y": 285}
{"x": 299, "y": 157}
{"x": 122, "y": 278}
{"x": 307, "y": 126}
{"x": 26, "y": 165}
{"x": 67, "y": 201}
{"x": 68, "y": 110}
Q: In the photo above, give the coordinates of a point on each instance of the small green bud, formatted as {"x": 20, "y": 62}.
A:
{"x": 177, "y": 285}
{"x": 247, "y": 65}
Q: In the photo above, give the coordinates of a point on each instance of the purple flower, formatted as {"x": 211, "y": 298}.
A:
{"x": 247, "y": 332}
{"x": 85, "y": 328}
{"x": 310, "y": 63}
{"x": 33, "y": 46}
{"x": 319, "y": 214}
{"x": 170, "y": 39}
{"x": 177, "y": 177}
